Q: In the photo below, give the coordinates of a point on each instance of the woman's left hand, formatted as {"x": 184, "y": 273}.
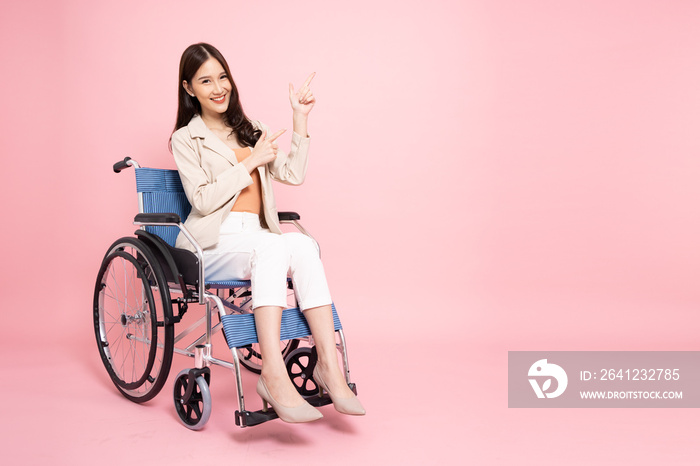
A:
{"x": 303, "y": 100}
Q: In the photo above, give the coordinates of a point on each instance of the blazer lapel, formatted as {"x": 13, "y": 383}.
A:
{"x": 199, "y": 130}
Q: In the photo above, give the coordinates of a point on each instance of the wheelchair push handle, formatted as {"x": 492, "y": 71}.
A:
{"x": 126, "y": 163}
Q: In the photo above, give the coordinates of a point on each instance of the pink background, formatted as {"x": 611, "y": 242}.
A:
{"x": 485, "y": 176}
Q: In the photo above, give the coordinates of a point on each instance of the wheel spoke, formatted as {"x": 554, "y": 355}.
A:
{"x": 116, "y": 288}
{"x": 124, "y": 358}
{"x": 137, "y": 356}
{"x": 105, "y": 310}
{"x": 119, "y": 340}
{"x": 129, "y": 283}
{"x": 113, "y": 323}
{"x": 138, "y": 306}
{"x": 197, "y": 411}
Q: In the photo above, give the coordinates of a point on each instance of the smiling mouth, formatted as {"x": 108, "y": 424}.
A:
{"x": 220, "y": 100}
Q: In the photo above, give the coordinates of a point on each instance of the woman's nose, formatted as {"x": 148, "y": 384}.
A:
{"x": 217, "y": 87}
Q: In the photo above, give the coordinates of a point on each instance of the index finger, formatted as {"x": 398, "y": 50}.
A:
{"x": 276, "y": 135}
{"x": 308, "y": 80}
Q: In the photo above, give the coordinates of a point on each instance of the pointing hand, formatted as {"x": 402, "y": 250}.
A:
{"x": 303, "y": 100}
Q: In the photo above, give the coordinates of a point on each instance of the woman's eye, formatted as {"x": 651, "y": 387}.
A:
{"x": 224, "y": 77}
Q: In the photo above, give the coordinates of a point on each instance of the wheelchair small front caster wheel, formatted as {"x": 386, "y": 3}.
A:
{"x": 195, "y": 411}
{"x": 300, "y": 367}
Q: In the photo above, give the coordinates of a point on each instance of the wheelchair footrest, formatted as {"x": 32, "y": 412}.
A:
{"x": 253, "y": 418}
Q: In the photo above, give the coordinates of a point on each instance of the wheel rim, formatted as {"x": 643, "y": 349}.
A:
{"x": 127, "y": 322}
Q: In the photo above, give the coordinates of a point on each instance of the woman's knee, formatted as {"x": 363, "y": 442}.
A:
{"x": 272, "y": 245}
{"x": 300, "y": 244}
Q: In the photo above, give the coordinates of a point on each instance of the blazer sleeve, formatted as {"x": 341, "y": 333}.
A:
{"x": 290, "y": 168}
{"x": 206, "y": 195}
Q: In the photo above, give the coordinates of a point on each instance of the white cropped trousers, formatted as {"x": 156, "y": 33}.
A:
{"x": 246, "y": 251}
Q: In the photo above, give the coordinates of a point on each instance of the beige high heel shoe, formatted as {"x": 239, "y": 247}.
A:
{"x": 350, "y": 405}
{"x": 302, "y": 413}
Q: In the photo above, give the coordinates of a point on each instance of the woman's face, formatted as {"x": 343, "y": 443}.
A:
{"x": 211, "y": 86}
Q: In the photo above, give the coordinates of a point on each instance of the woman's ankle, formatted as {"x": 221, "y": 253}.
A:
{"x": 328, "y": 366}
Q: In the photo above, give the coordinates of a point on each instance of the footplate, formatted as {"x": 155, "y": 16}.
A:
{"x": 254, "y": 418}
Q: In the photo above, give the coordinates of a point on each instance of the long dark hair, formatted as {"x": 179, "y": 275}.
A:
{"x": 187, "y": 106}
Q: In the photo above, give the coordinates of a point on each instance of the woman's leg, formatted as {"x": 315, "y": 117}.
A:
{"x": 269, "y": 266}
{"x": 274, "y": 372}
{"x": 247, "y": 252}
{"x": 309, "y": 278}
{"x": 320, "y": 321}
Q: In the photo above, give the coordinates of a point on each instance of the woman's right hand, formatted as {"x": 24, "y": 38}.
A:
{"x": 264, "y": 152}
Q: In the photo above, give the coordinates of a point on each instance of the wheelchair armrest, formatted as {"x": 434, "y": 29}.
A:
{"x": 174, "y": 218}
{"x": 292, "y": 217}
{"x": 288, "y": 216}
{"x": 157, "y": 218}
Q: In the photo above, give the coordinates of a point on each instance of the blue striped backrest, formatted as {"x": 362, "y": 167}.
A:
{"x": 162, "y": 192}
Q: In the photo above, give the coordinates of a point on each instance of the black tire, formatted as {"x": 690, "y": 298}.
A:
{"x": 194, "y": 413}
{"x": 131, "y": 306}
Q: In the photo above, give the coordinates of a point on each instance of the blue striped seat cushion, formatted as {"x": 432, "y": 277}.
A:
{"x": 226, "y": 284}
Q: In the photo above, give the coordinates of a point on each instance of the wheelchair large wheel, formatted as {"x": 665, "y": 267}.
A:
{"x": 130, "y": 309}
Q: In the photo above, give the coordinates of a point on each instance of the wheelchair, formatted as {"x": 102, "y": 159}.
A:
{"x": 143, "y": 290}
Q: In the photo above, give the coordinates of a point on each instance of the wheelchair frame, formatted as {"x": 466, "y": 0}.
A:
{"x": 151, "y": 261}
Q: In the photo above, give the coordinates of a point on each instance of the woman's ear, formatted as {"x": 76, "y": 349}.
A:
{"x": 188, "y": 88}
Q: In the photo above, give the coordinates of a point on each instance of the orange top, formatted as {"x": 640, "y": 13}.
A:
{"x": 250, "y": 198}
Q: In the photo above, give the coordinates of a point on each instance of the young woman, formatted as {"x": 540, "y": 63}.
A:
{"x": 227, "y": 163}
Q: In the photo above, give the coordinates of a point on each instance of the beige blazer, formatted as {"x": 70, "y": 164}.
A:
{"x": 213, "y": 179}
